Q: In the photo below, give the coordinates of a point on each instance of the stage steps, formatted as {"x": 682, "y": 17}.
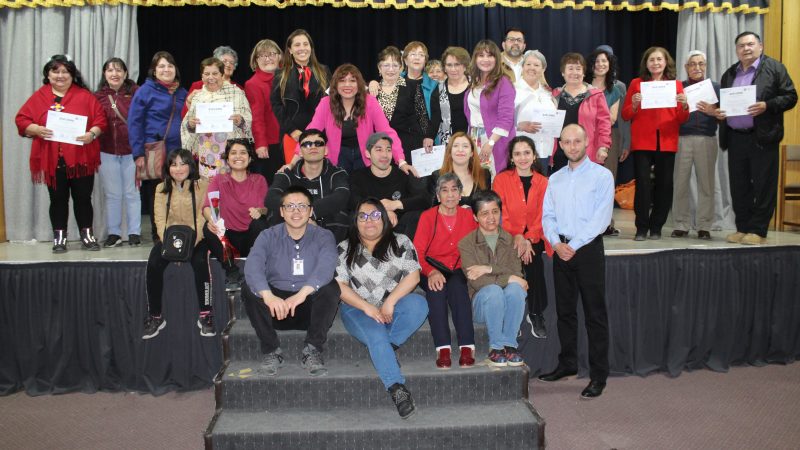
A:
{"x": 481, "y": 407}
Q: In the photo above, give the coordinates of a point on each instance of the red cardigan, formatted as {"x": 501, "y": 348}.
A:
{"x": 443, "y": 246}
{"x": 645, "y": 122}
{"x": 520, "y": 213}
{"x": 266, "y": 130}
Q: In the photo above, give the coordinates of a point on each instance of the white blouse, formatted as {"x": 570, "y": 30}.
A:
{"x": 528, "y": 100}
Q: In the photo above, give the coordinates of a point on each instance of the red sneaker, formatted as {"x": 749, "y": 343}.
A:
{"x": 467, "y": 358}
{"x": 443, "y": 361}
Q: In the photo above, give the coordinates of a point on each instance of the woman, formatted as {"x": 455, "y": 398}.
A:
{"x": 208, "y": 147}
{"x": 447, "y": 111}
{"x": 521, "y": 189}
{"x": 654, "y": 142}
{"x": 439, "y": 230}
{"x": 489, "y": 106}
{"x": 584, "y": 105}
{"x": 299, "y": 86}
{"x": 378, "y": 272}
{"x": 178, "y": 201}
{"x": 66, "y": 168}
{"x": 264, "y": 61}
{"x": 237, "y": 216}
{"x": 496, "y": 286}
{"x": 153, "y": 116}
{"x": 533, "y": 94}
{"x": 230, "y": 59}
{"x": 435, "y": 71}
{"x": 397, "y": 101}
{"x": 461, "y": 158}
{"x": 117, "y": 170}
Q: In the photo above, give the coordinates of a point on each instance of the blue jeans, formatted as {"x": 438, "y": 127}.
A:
{"x": 118, "y": 176}
{"x": 409, "y": 314}
{"x": 350, "y": 159}
{"x": 502, "y": 310}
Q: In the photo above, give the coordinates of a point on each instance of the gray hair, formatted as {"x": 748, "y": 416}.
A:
{"x": 225, "y": 50}
{"x": 538, "y": 55}
{"x": 446, "y": 178}
{"x": 694, "y": 53}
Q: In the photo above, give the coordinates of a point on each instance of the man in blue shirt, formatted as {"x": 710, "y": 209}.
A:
{"x": 289, "y": 283}
{"x": 577, "y": 209}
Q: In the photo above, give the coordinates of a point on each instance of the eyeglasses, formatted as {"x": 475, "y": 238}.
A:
{"x": 292, "y": 207}
{"x": 386, "y": 66}
{"x": 373, "y": 216}
{"x": 228, "y": 62}
{"x": 696, "y": 64}
{"x": 267, "y": 55}
{"x": 309, "y": 144}
{"x": 515, "y": 40}
{"x": 416, "y": 55}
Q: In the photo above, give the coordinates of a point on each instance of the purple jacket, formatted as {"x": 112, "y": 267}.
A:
{"x": 497, "y": 111}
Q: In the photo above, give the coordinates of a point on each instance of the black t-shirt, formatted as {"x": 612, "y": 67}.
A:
{"x": 458, "y": 120}
{"x": 349, "y": 136}
{"x": 526, "y": 184}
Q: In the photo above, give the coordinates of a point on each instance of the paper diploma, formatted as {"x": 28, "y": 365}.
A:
{"x": 552, "y": 121}
{"x": 735, "y": 101}
{"x": 214, "y": 117}
{"x": 700, "y": 92}
{"x": 66, "y": 127}
{"x": 427, "y": 163}
{"x": 659, "y": 94}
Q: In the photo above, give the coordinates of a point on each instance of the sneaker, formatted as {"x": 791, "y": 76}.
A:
{"x": 233, "y": 281}
{"x": 497, "y": 358}
{"x": 513, "y": 357}
{"x": 88, "y": 241}
{"x": 402, "y": 400}
{"x": 134, "y": 240}
{"x": 538, "y": 328}
{"x": 272, "y": 362}
{"x": 735, "y": 238}
{"x": 59, "y": 241}
{"x": 113, "y": 240}
{"x": 311, "y": 360}
{"x": 206, "y": 325}
{"x": 443, "y": 358}
{"x": 467, "y": 358}
{"x": 152, "y": 325}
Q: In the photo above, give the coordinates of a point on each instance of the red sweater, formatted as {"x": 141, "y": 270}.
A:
{"x": 258, "y": 88}
{"x": 645, "y": 122}
{"x": 520, "y": 213}
{"x": 441, "y": 244}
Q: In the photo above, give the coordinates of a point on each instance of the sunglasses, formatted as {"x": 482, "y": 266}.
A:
{"x": 309, "y": 144}
{"x": 373, "y": 216}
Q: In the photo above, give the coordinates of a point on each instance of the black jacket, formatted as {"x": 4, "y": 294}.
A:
{"x": 294, "y": 111}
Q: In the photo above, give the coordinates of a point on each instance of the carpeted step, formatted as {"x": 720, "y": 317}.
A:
{"x": 354, "y": 384}
{"x": 503, "y": 425}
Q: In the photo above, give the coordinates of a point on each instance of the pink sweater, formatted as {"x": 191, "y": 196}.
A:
{"x": 593, "y": 115}
{"x": 236, "y": 198}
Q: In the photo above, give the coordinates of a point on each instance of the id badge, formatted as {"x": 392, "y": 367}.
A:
{"x": 297, "y": 267}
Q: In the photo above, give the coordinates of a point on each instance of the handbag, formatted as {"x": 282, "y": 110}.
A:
{"x": 178, "y": 241}
{"x": 155, "y": 154}
{"x": 624, "y": 194}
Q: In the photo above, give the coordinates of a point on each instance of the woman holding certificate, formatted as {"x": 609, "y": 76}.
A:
{"x": 64, "y": 120}
{"x": 219, "y": 112}
{"x": 534, "y": 94}
{"x": 656, "y": 106}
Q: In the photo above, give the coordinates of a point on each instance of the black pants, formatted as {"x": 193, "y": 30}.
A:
{"x": 241, "y": 240}
{"x": 534, "y": 274}
{"x": 314, "y": 315}
{"x": 455, "y": 295}
{"x": 659, "y": 193}
{"x": 156, "y": 265}
{"x": 148, "y": 192}
{"x": 753, "y": 169}
{"x": 585, "y": 273}
{"x": 80, "y": 189}
{"x": 267, "y": 167}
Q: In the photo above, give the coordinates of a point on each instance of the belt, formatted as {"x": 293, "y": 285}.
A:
{"x": 743, "y": 130}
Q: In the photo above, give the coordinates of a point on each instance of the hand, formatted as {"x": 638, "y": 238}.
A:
{"x": 237, "y": 119}
{"x": 255, "y": 213}
{"x": 139, "y": 162}
{"x": 294, "y": 301}
{"x": 374, "y": 88}
{"x": 391, "y": 205}
{"x": 602, "y": 154}
{"x": 636, "y": 100}
{"x": 519, "y": 281}
{"x": 387, "y": 310}
{"x": 296, "y": 135}
{"x": 278, "y": 308}
{"x": 285, "y": 168}
{"x": 392, "y": 218}
{"x": 486, "y": 152}
{"x": 409, "y": 170}
{"x": 374, "y": 313}
{"x": 212, "y": 227}
{"x": 564, "y": 251}
{"x": 720, "y": 114}
{"x": 192, "y": 123}
{"x": 86, "y": 138}
{"x": 262, "y": 152}
{"x": 681, "y": 99}
{"x": 427, "y": 144}
{"x": 42, "y": 132}
{"x": 524, "y": 248}
{"x": 757, "y": 108}
{"x": 625, "y": 153}
{"x": 529, "y": 127}
{"x": 436, "y": 281}
{"x": 477, "y": 271}
{"x": 706, "y": 108}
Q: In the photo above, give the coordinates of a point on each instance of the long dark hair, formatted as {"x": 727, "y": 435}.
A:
{"x": 611, "y": 76}
{"x": 63, "y": 60}
{"x": 288, "y": 65}
{"x": 360, "y": 104}
{"x": 244, "y": 142}
{"x": 127, "y": 85}
{"x": 188, "y": 159}
{"x": 385, "y": 244}
{"x": 536, "y": 166}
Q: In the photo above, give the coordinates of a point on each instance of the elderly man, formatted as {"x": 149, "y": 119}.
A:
{"x": 752, "y": 140}
{"x": 513, "y": 50}
{"x": 697, "y": 147}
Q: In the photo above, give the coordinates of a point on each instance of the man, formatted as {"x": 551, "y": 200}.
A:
{"x": 752, "y": 140}
{"x": 577, "y": 209}
{"x": 290, "y": 285}
{"x": 697, "y": 147}
{"x": 403, "y": 196}
{"x": 328, "y": 185}
{"x": 513, "y": 49}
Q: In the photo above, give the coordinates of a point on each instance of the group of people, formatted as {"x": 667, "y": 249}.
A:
{"x": 315, "y": 158}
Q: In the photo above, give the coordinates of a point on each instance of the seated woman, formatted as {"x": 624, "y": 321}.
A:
{"x": 461, "y": 158}
{"x": 495, "y": 280}
{"x": 239, "y": 210}
{"x": 178, "y": 201}
{"x": 378, "y": 272}
{"x": 439, "y": 230}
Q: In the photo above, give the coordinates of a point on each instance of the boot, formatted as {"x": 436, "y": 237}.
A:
{"x": 59, "y": 241}
{"x": 88, "y": 241}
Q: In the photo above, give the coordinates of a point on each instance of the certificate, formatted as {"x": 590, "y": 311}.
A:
{"x": 427, "y": 163}
{"x": 700, "y": 92}
{"x": 659, "y": 94}
{"x": 735, "y": 101}
{"x": 66, "y": 127}
{"x": 552, "y": 121}
{"x": 214, "y": 117}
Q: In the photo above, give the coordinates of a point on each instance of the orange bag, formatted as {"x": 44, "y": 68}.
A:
{"x": 624, "y": 194}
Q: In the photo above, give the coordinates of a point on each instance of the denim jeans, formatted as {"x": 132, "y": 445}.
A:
{"x": 117, "y": 173}
{"x": 502, "y": 310}
{"x": 350, "y": 159}
{"x": 409, "y": 314}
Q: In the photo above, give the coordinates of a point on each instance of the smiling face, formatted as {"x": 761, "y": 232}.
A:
{"x": 601, "y": 65}
{"x": 514, "y": 44}
{"x": 573, "y": 74}
{"x": 347, "y": 87}
{"x": 369, "y": 222}
{"x": 415, "y": 60}
{"x": 573, "y": 142}
{"x": 238, "y": 158}
{"x": 532, "y": 69}
{"x": 230, "y": 65}
{"x": 212, "y": 78}
{"x": 380, "y": 155}
{"x": 389, "y": 69}
{"x": 165, "y": 71}
{"x": 453, "y": 68}
{"x": 436, "y": 72}
{"x": 300, "y": 49}
{"x": 656, "y": 64}
{"x": 268, "y": 59}
{"x": 488, "y": 217}
{"x": 296, "y": 210}
{"x": 461, "y": 151}
{"x": 748, "y": 49}
{"x": 523, "y": 157}
{"x": 485, "y": 62}
{"x": 179, "y": 170}
{"x": 115, "y": 76}
{"x": 59, "y": 77}
{"x": 449, "y": 195}
{"x": 696, "y": 68}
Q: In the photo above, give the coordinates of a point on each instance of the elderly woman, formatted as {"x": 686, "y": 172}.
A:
{"x": 66, "y": 168}
{"x": 117, "y": 171}
{"x": 264, "y": 61}
{"x": 584, "y": 105}
{"x": 208, "y": 147}
{"x": 533, "y": 94}
{"x": 435, "y": 71}
{"x": 447, "y": 104}
{"x": 230, "y": 59}
{"x": 440, "y": 228}
{"x": 654, "y": 142}
{"x": 178, "y": 201}
{"x": 378, "y": 273}
{"x": 489, "y": 106}
{"x": 496, "y": 286}
{"x": 461, "y": 158}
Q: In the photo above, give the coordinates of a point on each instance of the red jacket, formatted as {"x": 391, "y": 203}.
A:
{"x": 521, "y": 214}
{"x": 258, "y": 88}
{"x": 441, "y": 243}
{"x": 115, "y": 140}
{"x": 645, "y": 122}
{"x": 594, "y": 117}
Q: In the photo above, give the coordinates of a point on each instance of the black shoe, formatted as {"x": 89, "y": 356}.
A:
{"x": 152, "y": 325}
{"x": 558, "y": 374}
{"x": 593, "y": 390}
{"x": 679, "y": 233}
{"x": 640, "y": 236}
{"x": 655, "y": 235}
{"x": 59, "y": 241}
{"x": 233, "y": 280}
{"x": 206, "y": 325}
{"x": 704, "y": 235}
{"x": 113, "y": 240}
{"x": 611, "y": 231}
{"x": 538, "y": 328}
{"x": 134, "y": 240}
{"x": 402, "y": 399}
{"x": 88, "y": 241}
{"x": 312, "y": 361}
